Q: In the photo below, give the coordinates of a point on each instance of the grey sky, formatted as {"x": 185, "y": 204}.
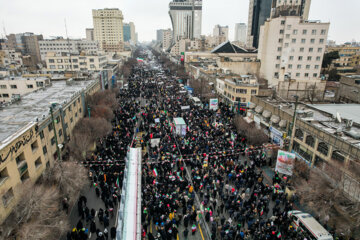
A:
{"x": 47, "y": 16}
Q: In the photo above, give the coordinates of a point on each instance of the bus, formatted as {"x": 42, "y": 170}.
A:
{"x": 304, "y": 222}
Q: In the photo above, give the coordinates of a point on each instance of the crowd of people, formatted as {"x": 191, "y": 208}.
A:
{"x": 203, "y": 181}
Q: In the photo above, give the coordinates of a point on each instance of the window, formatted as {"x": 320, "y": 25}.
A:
{"x": 307, "y": 66}
{"x": 30, "y": 86}
{"x": 310, "y": 141}
{"x": 282, "y": 22}
{"x": 298, "y": 74}
{"x": 309, "y": 58}
{"x": 50, "y": 126}
{"x": 52, "y": 140}
{"x": 287, "y": 36}
{"x": 76, "y": 66}
{"x": 7, "y": 197}
{"x": 318, "y": 58}
{"x": 91, "y": 60}
{"x": 277, "y": 57}
{"x": 300, "y": 58}
{"x": 293, "y": 40}
{"x": 279, "y": 49}
{"x": 71, "y": 120}
{"x": 312, "y": 40}
{"x": 319, "y": 50}
{"x": 323, "y": 32}
{"x": 38, "y": 163}
{"x": 59, "y": 61}
{"x": 44, "y": 150}
{"x": 315, "y": 75}
{"x": 60, "y": 132}
{"x": 303, "y": 40}
{"x": 321, "y": 40}
{"x": 20, "y": 159}
{"x": 304, "y": 32}
{"x": 323, "y": 148}
{"x": 302, "y": 49}
{"x": 34, "y": 146}
{"x": 253, "y": 91}
{"x": 61, "y": 67}
{"x": 290, "y": 66}
{"x": 3, "y": 87}
{"x": 51, "y": 60}
{"x": 13, "y": 86}
{"x": 4, "y": 175}
{"x": 277, "y": 65}
{"x": 311, "y": 49}
{"x": 92, "y": 66}
{"x": 295, "y": 31}
{"x": 5, "y": 95}
{"x": 306, "y": 74}
{"x": 76, "y": 114}
{"x": 41, "y": 135}
{"x": 299, "y": 134}
{"x": 316, "y": 66}
{"x": 280, "y": 40}
{"x": 52, "y": 67}
{"x": 276, "y": 75}
{"x": 286, "y": 44}
{"x": 291, "y": 58}
{"x": 313, "y": 32}
{"x": 338, "y": 156}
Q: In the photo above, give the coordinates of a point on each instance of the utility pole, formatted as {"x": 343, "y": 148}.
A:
{"x": 68, "y": 43}
{"x": 292, "y": 125}
{"x": 55, "y": 135}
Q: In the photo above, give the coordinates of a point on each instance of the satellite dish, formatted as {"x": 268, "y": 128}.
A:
{"x": 338, "y": 118}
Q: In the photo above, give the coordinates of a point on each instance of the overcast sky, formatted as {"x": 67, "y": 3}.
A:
{"x": 47, "y": 16}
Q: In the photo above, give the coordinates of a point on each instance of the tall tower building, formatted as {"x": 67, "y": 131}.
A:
{"x": 240, "y": 33}
{"x": 186, "y": 18}
{"x": 108, "y": 29}
{"x": 90, "y": 34}
{"x": 221, "y": 31}
{"x": 261, "y": 10}
{"x": 132, "y": 33}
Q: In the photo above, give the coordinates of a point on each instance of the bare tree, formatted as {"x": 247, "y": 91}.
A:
{"x": 102, "y": 111}
{"x": 256, "y": 137}
{"x": 241, "y": 125}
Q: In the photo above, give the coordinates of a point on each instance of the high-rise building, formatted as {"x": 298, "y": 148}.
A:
{"x": 186, "y": 18}
{"x": 292, "y": 48}
{"x": 90, "y": 34}
{"x": 240, "y": 33}
{"x": 127, "y": 32}
{"x": 221, "y": 31}
{"x": 261, "y": 10}
{"x": 167, "y": 39}
{"x": 132, "y": 33}
{"x": 159, "y": 35}
{"x": 108, "y": 29}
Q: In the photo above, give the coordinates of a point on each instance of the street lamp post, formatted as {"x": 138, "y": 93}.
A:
{"x": 290, "y": 132}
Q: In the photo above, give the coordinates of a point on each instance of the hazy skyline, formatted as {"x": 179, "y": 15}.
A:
{"x": 47, "y": 17}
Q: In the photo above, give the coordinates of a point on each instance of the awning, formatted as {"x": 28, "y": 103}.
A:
{"x": 259, "y": 109}
{"x": 283, "y": 123}
{"x": 266, "y": 114}
{"x": 252, "y": 105}
{"x": 275, "y": 119}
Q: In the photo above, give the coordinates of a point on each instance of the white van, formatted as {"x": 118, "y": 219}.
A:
{"x": 306, "y": 223}
{"x": 196, "y": 101}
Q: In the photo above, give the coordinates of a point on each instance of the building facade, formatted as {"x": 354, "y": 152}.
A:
{"x": 127, "y": 32}
{"x": 28, "y": 144}
{"x": 291, "y": 48}
{"x": 57, "y": 63}
{"x": 27, "y": 43}
{"x": 291, "y": 8}
{"x": 90, "y": 34}
{"x": 11, "y": 59}
{"x": 15, "y": 87}
{"x": 108, "y": 29}
{"x": 240, "y": 33}
{"x": 73, "y": 46}
{"x": 166, "y": 39}
{"x": 186, "y": 18}
{"x": 349, "y": 89}
{"x": 221, "y": 31}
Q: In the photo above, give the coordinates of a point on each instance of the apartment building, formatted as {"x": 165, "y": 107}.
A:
{"x": 291, "y": 48}
{"x": 108, "y": 29}
{"x": 27, "y": 142}
{"x": 13, "y": 88}
{"x": 72, "y": 46}
{"x": 222, "y": 31}
{"x": 166, "y": 39}
{"x": 238, "y": 90}
{"x": 90, "y": 34}
{"x": 11, "y": 59}
{"x": 57, "y": 63}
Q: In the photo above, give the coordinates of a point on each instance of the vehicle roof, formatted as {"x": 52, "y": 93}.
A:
{"x": 310, "y": 221}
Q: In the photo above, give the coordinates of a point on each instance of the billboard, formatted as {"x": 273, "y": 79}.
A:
{"x": 213, "y": 104}
{"x": 285, "y": 162}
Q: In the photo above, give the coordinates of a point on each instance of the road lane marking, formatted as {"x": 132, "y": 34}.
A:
{"x": 202, "y": 236}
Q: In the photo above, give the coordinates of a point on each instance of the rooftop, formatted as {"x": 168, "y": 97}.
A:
{"x": 36, "y": 105}
{"x": 346, "y": 111}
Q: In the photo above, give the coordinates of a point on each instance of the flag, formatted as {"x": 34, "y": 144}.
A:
{"x": 117, "y": 184}
{"x": 222, "y": 166}
{"x": 155, "y": 172}
{"x": 262, "y": 211}
{"x": 178, "y": 173}
{"x": 279, "y": 235}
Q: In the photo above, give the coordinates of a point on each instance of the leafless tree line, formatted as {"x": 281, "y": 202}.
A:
{"x": 253, "y": 135}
